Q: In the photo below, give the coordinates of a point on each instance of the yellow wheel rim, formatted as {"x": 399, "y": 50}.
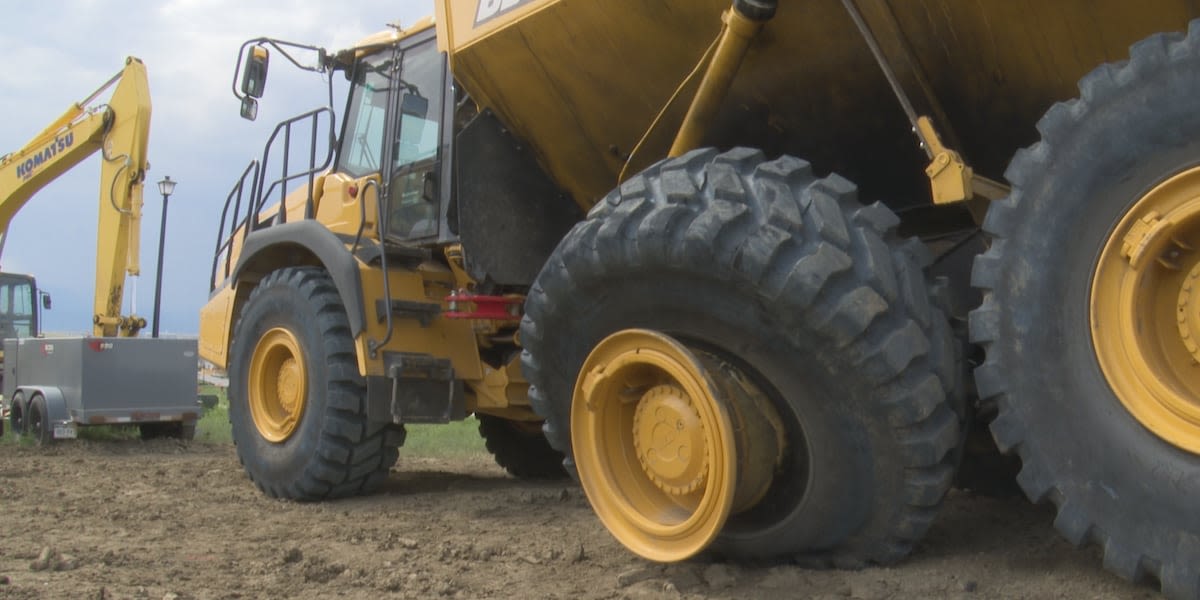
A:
{"x": 657, "y": 449}
{"x": 278, "y": 385}
{"x": 1145, "y": 310}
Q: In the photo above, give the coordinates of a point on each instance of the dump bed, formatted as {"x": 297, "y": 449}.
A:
{"x": 583, "y": 81}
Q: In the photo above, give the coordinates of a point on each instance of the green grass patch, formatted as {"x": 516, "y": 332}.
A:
{"x": 453, "y": 439}
{"x": 213, "y": 426}
{"x": 108, "y": 433}
{"x": 425, "y": 441}
{"x": 95, "y": 433}
{"x": 12, "y": 439}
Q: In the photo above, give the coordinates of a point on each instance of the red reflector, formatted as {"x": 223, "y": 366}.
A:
{"x": 352, "y": 190}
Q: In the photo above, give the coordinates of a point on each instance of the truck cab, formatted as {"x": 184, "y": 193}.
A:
{"x": 409, "y": 244}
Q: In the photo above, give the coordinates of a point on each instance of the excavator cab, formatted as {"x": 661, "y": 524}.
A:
{"x": 18, "y": 306}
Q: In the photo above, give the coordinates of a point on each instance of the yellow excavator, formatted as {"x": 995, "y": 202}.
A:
{"x": 120, "y": 130}
{"x": 592, "y": 216}
{"x": 51, "y": 386}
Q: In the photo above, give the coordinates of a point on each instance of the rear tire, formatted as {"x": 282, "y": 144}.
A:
{"x": 810, "y": 295}
{"x": 1118, "y": 479}
{"x": 16, "y": 414}
{"x": 521, "y": 448}
{"x": 299, "y": 413}
{"x": 38, "y": 424}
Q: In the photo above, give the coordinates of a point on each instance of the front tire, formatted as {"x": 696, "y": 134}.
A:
{"x": 521, "y": 448}
{"x": 1087, "y": 311}
{"x": 788, "y": 287}
{"x": 297, "y": 403}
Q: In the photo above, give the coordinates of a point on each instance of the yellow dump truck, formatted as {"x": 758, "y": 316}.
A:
{"x": 767, "y": 274}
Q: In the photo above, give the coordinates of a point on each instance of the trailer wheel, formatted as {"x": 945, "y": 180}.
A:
{"x": 38, "y": 421}
{"x": 297, "y": 403}
{"x": 521, "y": 448}
{"x": 731, "y": 350}
{"x": 16, "y": 414}
{"x": 1091, "y": 313}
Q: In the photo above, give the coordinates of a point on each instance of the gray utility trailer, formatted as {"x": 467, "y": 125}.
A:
{"x": 52, "y": 386}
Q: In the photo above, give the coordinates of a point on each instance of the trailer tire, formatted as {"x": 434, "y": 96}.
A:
{"x": 524, "y": 454}
{"x": 38, "y": 421}
{"x": 297, "y": 403}
{"x": 1090, "y": 204}
{"x": 773, "y": 272}
{"x": 16, "y": 414}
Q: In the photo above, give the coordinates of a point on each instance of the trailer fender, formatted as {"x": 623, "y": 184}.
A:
{"x": 56, "y": 403}
{"x": 304, "y": 242}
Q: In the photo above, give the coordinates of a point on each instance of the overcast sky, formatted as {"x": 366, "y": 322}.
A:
{"x": 58, "y": 52}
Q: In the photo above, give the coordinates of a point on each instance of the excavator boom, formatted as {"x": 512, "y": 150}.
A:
{"x": 120, "y": 130}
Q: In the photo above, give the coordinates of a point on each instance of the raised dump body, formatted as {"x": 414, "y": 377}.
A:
{"x": 583, "y": 81}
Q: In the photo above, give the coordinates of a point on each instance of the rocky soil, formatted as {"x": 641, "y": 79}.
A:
{"x": 171, "y": 520}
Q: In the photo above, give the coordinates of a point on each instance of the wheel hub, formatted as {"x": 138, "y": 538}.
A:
{"x": 1189, "y": 313}
{"x": 1145, "y": 310}
{"x": 669, "y": 442}
{"x": 669, "y": 438}
{"x": 288, "y": 385}
{"x": 277, "y": 386}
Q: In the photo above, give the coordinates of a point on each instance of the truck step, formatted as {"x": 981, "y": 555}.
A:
{"x": 418, "y": 388}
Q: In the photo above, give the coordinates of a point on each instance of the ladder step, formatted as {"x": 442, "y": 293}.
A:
{"x": 423, "y": 312}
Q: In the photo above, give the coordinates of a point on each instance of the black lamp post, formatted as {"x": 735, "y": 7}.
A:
{"x": 165, "y": 187}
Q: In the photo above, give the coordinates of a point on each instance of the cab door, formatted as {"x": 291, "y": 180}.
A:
{"x": 418, "y": 153}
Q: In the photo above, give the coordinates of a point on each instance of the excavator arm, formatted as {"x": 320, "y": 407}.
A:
{"x": 120, "y": 130}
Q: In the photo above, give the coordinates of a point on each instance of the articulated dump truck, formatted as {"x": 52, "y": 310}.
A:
{"x": 767, "y": 277}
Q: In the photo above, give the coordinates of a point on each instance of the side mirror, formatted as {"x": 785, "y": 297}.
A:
{"x": 249, "y": 108}
{"x": 254, "y": 75}
{"x": 414, "y": 105}
{"x": 45, "y": 300}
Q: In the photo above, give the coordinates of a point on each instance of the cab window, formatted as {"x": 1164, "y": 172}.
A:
{"x": 362, "y": 146}
{"x": 16, "y": 308}
{"x": 415, "y": 201}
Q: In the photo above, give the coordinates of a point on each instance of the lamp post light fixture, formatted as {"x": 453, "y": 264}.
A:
{"x": 165, "y": 187}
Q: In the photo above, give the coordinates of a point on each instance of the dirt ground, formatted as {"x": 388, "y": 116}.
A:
{"x": 171, "y": 520}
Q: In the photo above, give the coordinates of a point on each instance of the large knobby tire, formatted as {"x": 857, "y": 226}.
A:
{"x": 806, "y": 292}
{"x": 521, "y": 448}
{"x": 1058, "y": 241}
{"x": 297, "y": 403}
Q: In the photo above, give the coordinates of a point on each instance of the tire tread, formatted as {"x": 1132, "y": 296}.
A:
{"x": 824, "y": 262}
